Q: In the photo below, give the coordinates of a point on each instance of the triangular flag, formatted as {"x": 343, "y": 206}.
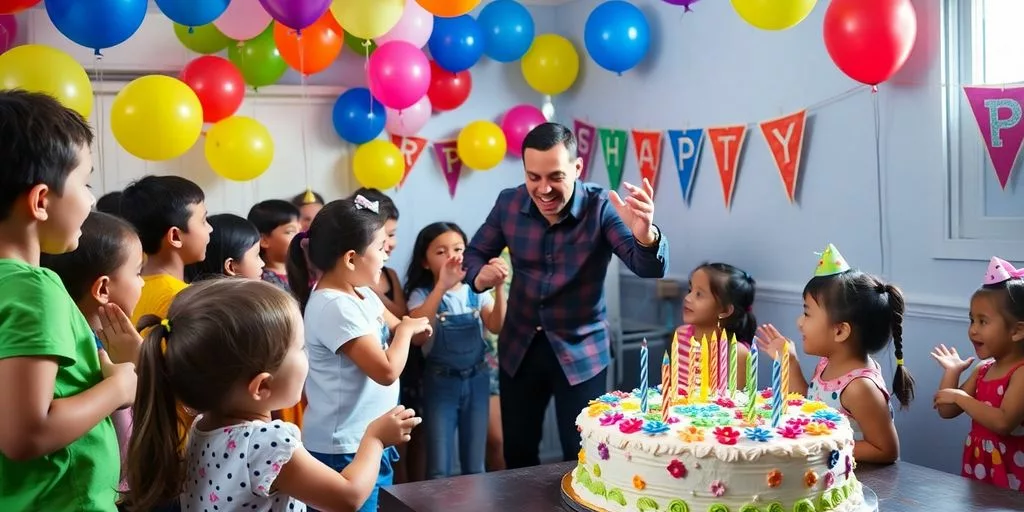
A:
{"x": 785, "y": 138}
{"x": 411, "y": 148}
{"x": 999, "y": 114}
{"x": 647, "y": 146}
{"x": 585, "y": 133}
{"x": 727, "y": 144}
{"x": 831, "y": 262}
{"x": 447, "y": 153}
{"x": 686, "y": 146}
{"x": 613, "y": 145}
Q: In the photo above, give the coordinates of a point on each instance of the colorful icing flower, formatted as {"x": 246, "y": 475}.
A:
{"x": 718, "y": 488}
{"x": 718, "y": 507}
{"x": 810, "y": 478}
{"x": 738, "y": 414}
{"x": 817, "y": 429}
{"x": 609, "y": 398}
{"x": 610, "y": 418}
{"x": 794, "y": 403}
{"x": 677, "y": 469}
{"x": 582, "y": 456}
{"x": 639, "y": 483}
{"x": 653, "y": 416}
{"x": 813, "y": 406}
{"x": 827, "y": 415}
{"x": 619, "y": 394}
{"x": 646, "y": 504}
{"x": 672, "y": 420}
{"x": 631, "y": 426}
{"x": 597, "y": 471}
{"x": 680, "y": 400}
{"x": 726, "y": 435}
{"x": 798, "y": 422}
{"x": 595, "y": 410}
{"x": 830, "y": 424}
{"x": 774, "y": 478}
{"x": 653, "y": 428}
{"x": 691, "y": 434}
{"x": 761, "y": 435}
{"x": 725, "y": 402}
{"x": 833, "y": 458}
{"x": 794, "y": 396}
{"x": 766, "y": 393}
{"x": 602, "y": 451}
{"x": 790, "y": 431}
{"x": 830, "y": 480}
{"x": 704, "y": 422}
{"x": 849, "y": 467}
{"x": 629, "y": 405}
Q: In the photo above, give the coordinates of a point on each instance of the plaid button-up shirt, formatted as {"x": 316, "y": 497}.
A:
{"x": 558, "y": 274}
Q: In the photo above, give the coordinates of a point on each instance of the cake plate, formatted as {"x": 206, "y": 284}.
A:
{"x": 576, "y": 504}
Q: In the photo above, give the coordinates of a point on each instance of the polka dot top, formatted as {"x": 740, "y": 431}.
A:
{"x": 233, "y": 468}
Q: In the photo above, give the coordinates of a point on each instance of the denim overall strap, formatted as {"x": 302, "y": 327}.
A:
{"x": 458, "y": 338}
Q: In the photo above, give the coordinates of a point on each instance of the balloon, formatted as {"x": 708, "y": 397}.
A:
{"x": 62, "y": 76}
{"x": 357, "y": 116}
{"x": 156, "y": 117}
{"x": 258, "y": 59}
{"x": 16, "y": 6}
{"x": 870, "y": 40}
{"x": 456, "y": 43}
{"x": 204, "y": 39}
{"x": 617, "y": 36}
{"x": 684, "y": 3}
{"x": 191, "y": 13}
{"x": 398, "y": 74}
{"x": 448, "y": 90}
{"x": 367, "y": 19}
{"x": 319, "y": 46}
{"x": 217, "y": 83}
{"x": 507, "y": 29}
{"x": 97, "y": 24}
{"x": 296, "y": 14}
{"x": 481, "y": 145}
{"x": 409, "y": 121}
{"x": 773, "y": 14}
{"x": 244, "y": 20}
{"x": 448, "y": 8}
{"x": 517, "y": 123}
{"x": 239, "y": 148}
{"x": 378, "y": 164}
{"x": 8, "y": 31}
{"x": 362, "y": 47}
{"x": 551, "y": 65}
{"x": 414, "y": 27}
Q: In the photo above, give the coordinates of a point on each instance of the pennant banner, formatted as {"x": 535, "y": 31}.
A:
{"x": 686, "y": 146}
{"x": 447, "y": 153}
{"x": 411, "y": 148}
{"x": 998, "y": 113}
{"x": 584, "y": 144}
{"x": 647, "y": 146}
{"x": 613, "y": 145}
{"x": 726, "y": 144}
{"x": 785, "y": 138}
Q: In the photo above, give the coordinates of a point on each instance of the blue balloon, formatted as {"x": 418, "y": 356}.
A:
{"x": 192, "y": 13}
{"x": 617, "y": 36}
{"x": 97, "y": 24}
{"x": 508, "y": 30}
{"x": 358, "y": 117}
{"x": 456, "y": 43}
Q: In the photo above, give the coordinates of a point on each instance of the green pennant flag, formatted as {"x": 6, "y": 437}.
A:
{"x": 613, "y": 145}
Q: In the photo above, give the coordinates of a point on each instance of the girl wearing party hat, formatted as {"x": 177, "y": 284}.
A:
{"x": 848, "y": 316}
{"x": 993, "y": 396}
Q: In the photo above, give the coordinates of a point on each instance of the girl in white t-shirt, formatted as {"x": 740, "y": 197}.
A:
{"x": 353, "y": 370}
{"x": 232, "y": 350}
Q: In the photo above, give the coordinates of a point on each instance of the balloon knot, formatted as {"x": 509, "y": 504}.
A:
{"x": 366, "y": 43}
{"x": 874, "y": 88}
{"x": 191, "y": 30}
{"x": 97, "y": 53}
{"x": 686, "y": 8}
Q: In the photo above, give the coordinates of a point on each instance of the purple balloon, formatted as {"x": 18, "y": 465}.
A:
{"x": 296, "y": 14}
{"x": 8, "y": 31}
{"x": 685, "y": 3}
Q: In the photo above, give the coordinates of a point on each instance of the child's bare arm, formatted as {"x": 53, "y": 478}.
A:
{"x": 1001, "y": 420}
{"x": 494, "y": 314}
{"x": 949, "y": 380}
{"x": 385, "y": 366}
{"x": 866, "y": 404}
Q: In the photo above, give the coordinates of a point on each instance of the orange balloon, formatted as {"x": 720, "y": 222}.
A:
{"x": 314, "y": 48}
{"x": 448, "y": 8}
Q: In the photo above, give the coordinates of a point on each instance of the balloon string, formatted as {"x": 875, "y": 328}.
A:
{"x": 302, "y": 108}
{"x": 883, "y": 232}
{"x": 366, "y": 65}
{"x": 100, "y": 115}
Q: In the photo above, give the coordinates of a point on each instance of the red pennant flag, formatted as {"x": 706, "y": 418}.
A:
{"x": 585, "y": 138}
{"x": 785, "y": 138}
{"x": 411, "y": 148}
{"x": 647, "y": 146}
{"x": 726, "y": 144}
{"x": 447, "y": 153}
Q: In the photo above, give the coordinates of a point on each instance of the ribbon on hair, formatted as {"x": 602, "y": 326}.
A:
{"x": 166, "y": 325}
{"x": 1000, "y": 271}
{"x": 363, "y": 203}
{"x": 314, "y": 273}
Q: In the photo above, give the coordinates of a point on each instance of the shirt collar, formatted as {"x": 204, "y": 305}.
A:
{"x": 576, "y": 203}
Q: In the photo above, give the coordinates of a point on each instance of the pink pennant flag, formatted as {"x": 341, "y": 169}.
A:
{"x": 999, "y": 114}
{"x": 447, "y": 153}
{"x": 585, "y": 137}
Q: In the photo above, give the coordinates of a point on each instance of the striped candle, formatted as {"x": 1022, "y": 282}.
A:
{"x": 733, "y": 363}
{"x": 751, "y": 383}
{"x": 704, "y": 370}
{"x": 776, "y": 392}
{"x": 678, "y": 385}
{"x": 723, "y": 363}
{"x": 691, "y": 381}
{"x": 713, "y": 363}
{"x": 666, "y": 386}
{"x": 785, "y": 372}
{"x": 643, "y": 376}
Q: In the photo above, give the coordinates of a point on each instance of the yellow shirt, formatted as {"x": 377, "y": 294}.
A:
{"x": 157, "y": 293}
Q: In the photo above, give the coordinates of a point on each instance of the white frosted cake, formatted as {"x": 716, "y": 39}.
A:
{"x": 707, "y": 458}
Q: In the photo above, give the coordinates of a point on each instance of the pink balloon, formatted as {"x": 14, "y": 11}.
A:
{"x": 517, "y": 123}
{"x": 398, "y": 74}
{"x": 8, "y": 31}
{"x": 414, "y": 27}
{"x": 243, "y": 20}
{"x": 410, "y": 121}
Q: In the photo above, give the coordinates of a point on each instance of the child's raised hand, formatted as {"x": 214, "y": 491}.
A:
{"x": 395, "y": 426}
{"x": 772, "y": 342}
{"x": 415, "y": 325}
{"x": 452, "y": 272}
{"x": 948, "y": 396}
{"x": 950, "y": 360}
{"x": 123, "y": 374}
{"x": 119, "y": 337}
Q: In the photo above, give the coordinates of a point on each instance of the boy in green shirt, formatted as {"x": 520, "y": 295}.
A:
{"x": 58, "y": 450}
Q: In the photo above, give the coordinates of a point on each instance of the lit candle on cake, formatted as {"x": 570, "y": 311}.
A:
{"x": 776, "y": 392}
{"x": 704, "y": 370}
{"x": 723, "y": 363}
{"x": 785, "y": 373}
{"x": 643, "y": 376}
{"x": 751, "y": 383}
{"x": 713, "y": 363}
{"x": 667, "y": 384}
{"x": 733, "y": 363}
{"x": 691, "y": 380}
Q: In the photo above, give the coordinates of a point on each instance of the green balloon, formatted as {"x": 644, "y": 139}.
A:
{"x": 355, "y": 44}
{"x": 206, "y": 39}
{"x": 258, "y": 59}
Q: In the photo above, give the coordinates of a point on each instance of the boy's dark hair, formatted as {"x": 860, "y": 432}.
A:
{"x": 270, "y": 214}
{"x": 155, "y": 204}
{"x": 301, "y": 199}
{"x": 39, "y": 144}
{"x": 1011, "y": 295}
{"x": 874, "y": 309}
{"x": 110, "y": 203}
{"x": 231, "y": 238}
{"x": 733, "y": 287}
{"x": 418, "y": 275}
{"x": 339, "y": 228}
{"x": 102, "y": 249}
{"x": 548, "y": 135}
{"x": 385, "y": 203}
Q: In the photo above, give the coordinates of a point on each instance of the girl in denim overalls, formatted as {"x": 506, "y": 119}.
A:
{"x": 456, "y": 379}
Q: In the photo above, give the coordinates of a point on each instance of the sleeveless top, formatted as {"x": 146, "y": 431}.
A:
{"x": 830, "y": 391}
{"x": 990, "y": 457}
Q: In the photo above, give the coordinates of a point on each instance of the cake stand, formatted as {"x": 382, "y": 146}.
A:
{"x": 576, "y": 504}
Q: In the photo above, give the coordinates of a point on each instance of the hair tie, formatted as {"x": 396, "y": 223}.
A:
{"x": 899, "y": 362}
{"x": 314, "y": 273}
{"x": 166, "y": 324}
{"x": 363, "y": 203}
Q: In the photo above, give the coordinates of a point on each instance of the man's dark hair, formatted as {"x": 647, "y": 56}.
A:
{"x": 155, "y": 204}
{"x": 549, "y": 135}
{"x": 39, "y": 144}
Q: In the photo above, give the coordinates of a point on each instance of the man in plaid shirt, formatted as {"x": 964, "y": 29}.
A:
{"x": 561, "y": 234}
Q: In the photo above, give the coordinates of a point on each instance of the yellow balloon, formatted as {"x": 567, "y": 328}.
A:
{"x": 156, "y": 117}
{"x": 38, "y": 68}
{"x": 378, "y": 164}
{"x": 367, "y": 19}
{"x": 481, "y": 145}
{"x": 773, "y": 14}
{"x": 551, "y": 64}
{"x": 239, "y": 148}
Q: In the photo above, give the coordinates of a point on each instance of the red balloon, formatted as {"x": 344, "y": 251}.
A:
{"x": 219, "y": 85}
{"x": 870, "y": 40}
{"x": 448, "y": 90}
{"x": 13, "y": 6}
